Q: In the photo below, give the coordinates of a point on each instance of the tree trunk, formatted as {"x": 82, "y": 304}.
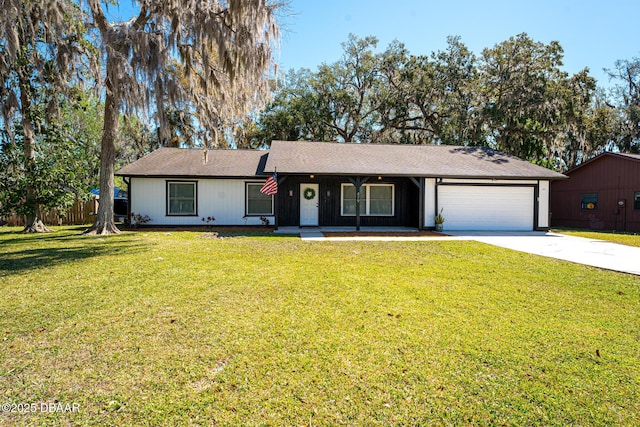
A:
{"x": 104, "y": 223}
{"x": 33, "y": 224}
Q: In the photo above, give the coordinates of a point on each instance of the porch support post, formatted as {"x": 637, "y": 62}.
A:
{"x": 357, "y": 182}
{"x": 127, "y": 180}
{"x": 419, "y": 182}
{"x": 275, "y": 203}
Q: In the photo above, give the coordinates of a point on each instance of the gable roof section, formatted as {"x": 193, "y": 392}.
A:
{"x": 330, "y": 158}
{"x": 301, "y": 157}
{"x": 624, "y": 156}
{"x": 178, "y": 162}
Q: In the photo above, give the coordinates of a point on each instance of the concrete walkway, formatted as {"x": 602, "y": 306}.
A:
{"x": 596, "y": 253}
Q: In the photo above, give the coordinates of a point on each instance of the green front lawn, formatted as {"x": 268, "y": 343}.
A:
{"x": 172, "y": 328}
{"x": 630, "y": 239}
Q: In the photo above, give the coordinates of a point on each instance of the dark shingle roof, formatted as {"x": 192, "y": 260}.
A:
{"x": 300, "y": 157}
{"x": 190, "y": 162}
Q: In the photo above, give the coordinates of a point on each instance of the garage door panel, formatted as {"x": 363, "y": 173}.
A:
{"x": 486, "y": 207}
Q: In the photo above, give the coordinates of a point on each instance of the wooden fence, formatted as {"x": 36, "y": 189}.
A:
{"x": 78, "y": 214}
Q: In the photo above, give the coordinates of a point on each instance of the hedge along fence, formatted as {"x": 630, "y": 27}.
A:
{"x": 78, "y": 214}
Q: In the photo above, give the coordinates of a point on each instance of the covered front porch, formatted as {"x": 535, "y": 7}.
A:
{"x": 365, "y": 202}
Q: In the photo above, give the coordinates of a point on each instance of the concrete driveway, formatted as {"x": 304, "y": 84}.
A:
{"x": 597, "y": 253}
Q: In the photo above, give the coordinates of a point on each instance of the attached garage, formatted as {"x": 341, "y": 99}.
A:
{"x": 487, "y": 207}
{"x": 384, "y": 185}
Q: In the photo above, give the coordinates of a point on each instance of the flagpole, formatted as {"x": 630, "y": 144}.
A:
{"x": 275, "y": 202}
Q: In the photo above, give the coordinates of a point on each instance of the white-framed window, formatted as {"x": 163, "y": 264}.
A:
{"x": 375, "y": 200}
{"x": 182, "y": 198}
{"x": 256, "y": 203}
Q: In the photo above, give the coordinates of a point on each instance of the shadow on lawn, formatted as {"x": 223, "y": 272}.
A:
{"x": 18, "y": 237}
{"x": 58, "y": 249}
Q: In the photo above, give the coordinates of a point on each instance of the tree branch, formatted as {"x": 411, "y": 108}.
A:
{"x": 142, "y": 18}
{"x": 98, "y": 16}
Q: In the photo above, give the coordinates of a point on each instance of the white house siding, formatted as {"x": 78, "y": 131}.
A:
{"x": 223, "y": 199}
{"x": 485, "y": 204}
{"x": 543, "y": 205}
{"x": 429, "y": 202}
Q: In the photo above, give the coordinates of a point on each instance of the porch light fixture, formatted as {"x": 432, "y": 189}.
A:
{"x": 290, "y": 193}
{"x": 312, "y": 176}
{"x": 379, "y": 178}
{"x": 328, "y": 193}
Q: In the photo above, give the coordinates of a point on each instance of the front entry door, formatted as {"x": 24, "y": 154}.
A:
{"x": 309, "y": 204}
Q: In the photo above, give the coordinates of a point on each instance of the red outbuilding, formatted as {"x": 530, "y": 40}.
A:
{"x": 602, "y": 193}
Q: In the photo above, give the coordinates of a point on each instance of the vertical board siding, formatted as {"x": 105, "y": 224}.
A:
{"x": 613, "y": 178}
{"x": 406, "y": 202}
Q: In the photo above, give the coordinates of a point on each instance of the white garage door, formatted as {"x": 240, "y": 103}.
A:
{"x": 486, "y": 207}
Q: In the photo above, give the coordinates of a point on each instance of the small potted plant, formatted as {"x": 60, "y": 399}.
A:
{"x": 439, "y": 220}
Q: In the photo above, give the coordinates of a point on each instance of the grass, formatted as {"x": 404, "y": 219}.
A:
{"x": 630, "y": 239}
{"x": 170, "y": 328}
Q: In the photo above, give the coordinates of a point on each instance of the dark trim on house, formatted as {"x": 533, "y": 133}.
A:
{"x": 367, "y": 193}
{"x": 438, "y": 183}
{"x": 195, "y": 198}
{"x": 348, "y": 175}
{"x": 196, "y": 177}
{"x": 419, "y": 182}
{"x": 246, "y": 201}
{"x": 485, "y": 184}
{"x": 357, "y": 182}
{"x": 536, "y": 205}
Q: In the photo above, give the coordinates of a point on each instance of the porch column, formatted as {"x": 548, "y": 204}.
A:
{"x": 127, "y": 180}
{"x": 357, "y": 182}
{"x": 419, "y": 182}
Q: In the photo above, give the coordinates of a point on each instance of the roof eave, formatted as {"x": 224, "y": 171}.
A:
{"x": 408, "y": 175}
{"x": 176, "y": 176}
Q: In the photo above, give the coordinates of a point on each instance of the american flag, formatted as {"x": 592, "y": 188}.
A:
{"x": 270, "y": 186}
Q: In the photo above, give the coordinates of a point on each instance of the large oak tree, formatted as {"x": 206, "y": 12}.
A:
{"x": 140, "y": 57}
{"x": 42, "y": 45}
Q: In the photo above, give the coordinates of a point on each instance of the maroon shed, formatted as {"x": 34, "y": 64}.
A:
{"x": 601, "y": 194}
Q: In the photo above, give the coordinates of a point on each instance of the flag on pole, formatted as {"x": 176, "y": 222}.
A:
{"x": 270, "y": 186}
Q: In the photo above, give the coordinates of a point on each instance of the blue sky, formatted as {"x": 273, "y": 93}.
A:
{"x": 593, "y": 34}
